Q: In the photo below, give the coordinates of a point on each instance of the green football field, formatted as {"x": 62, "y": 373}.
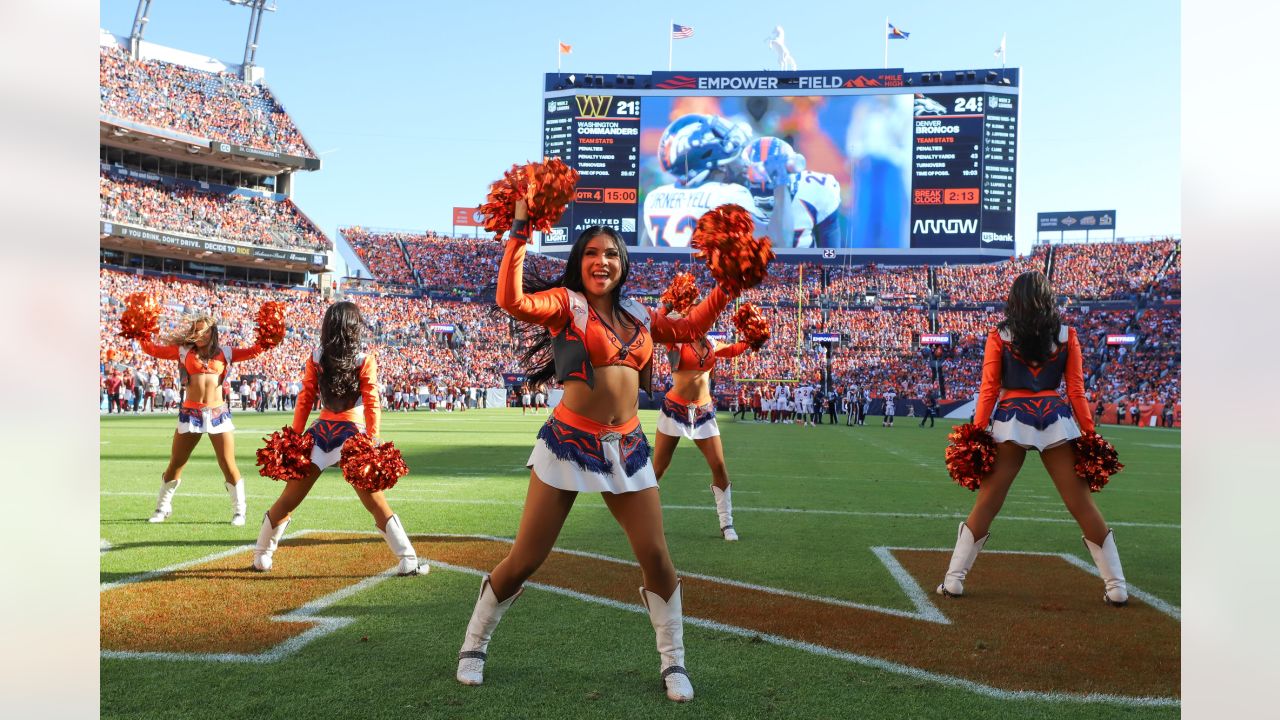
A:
{"x": 824, "y": 609}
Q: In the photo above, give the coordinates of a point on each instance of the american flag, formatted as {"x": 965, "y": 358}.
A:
{"x": 680, "y": 32}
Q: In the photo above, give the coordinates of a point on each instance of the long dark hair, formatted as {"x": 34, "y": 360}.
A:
{"x": 536, "y": 340}
{"x": 1031, "y": 316}
{"x": 341, "y": 337}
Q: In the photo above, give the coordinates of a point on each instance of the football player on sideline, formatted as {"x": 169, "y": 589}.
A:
{"x": 702, "y": 152}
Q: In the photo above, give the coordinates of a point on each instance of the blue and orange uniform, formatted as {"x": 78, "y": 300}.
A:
{"x": 574, "y": 452}
{"x": 1020, "y": 399}
{"x": 202, "y": 417}
{"x": 694, "y": 418}
{"x": 336, "y": 425}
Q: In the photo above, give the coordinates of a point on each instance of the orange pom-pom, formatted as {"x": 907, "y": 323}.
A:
{"x": 286, "y": 455}
{"x": 499, "y": 207}
{"x": 270, "y": 329}
{"x": 752, "y": 325}
{"x": 724, "y": 238}
{"x": 681, "y": 294}
{"x": 141, "y": 317}
{"x": 372, "y": 467}
{"x": 549, "y": 185}
{"x": 1096, "y": 460}
{"x": 970, "y": 455}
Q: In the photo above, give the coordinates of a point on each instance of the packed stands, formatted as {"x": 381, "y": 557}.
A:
{"x": 987, "y": 283}
{"x": 1117, "y": 270}
{"x": 217, "y": 212}
{"x": 217, "y": 106}
{"x": 876, "y": 353}
{"x": 381, "y": 252}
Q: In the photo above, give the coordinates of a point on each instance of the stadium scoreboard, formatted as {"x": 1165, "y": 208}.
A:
{"x": 599, "y": 136}
{"x": 878, "y": 163}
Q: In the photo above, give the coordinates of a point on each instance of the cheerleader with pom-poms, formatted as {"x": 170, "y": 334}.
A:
{"x": 203, "y": 364}
{"x": 688, "y": 410}
{"x": 1027, "y": 356}
{"x": 346, "y": 380}
{"x": 582, "y": 332}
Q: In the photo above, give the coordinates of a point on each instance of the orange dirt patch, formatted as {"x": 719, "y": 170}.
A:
{"x": 224, "y": 606}
{"x": 1027, "y": 622}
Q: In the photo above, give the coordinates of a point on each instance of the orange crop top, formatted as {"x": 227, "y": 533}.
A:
{"x": 991, "y": 390}
{"x": 191, "y": 363}
{"x": 581, "y": 340}
{"x": 690, "y": 359}
{"x": 367, "y": 405}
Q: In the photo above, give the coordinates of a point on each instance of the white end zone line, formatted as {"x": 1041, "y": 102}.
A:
{"x": 699, "y": 508}
{"x": 327, "y": 625}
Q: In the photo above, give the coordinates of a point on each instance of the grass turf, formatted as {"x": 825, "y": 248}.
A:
{"x": 560, "y": 657}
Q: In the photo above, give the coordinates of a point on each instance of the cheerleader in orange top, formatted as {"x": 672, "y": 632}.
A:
{"x": 689, "y": 412}
{"x": 1027, "y": 356}
{"x": 346, "y": 380}
{"x": 599, "y": 347}
{"x": 203, "y": 365}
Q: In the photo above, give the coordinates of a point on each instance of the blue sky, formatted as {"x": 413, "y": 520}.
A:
{"x": 418, "y": 106}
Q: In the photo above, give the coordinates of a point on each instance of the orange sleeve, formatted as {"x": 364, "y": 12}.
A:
{"x": 547, "y": 308}
{"x": 692, "y": 327}
{"x": 160, "y": 352}
{"x": 732, "y": 351}
{"x": 306, "y": 396}
{"x": 247, "y": 353}
{"x": 990, "y": 388}
{"x": 1075, "y": 383}
{"x": 370, "y": 396}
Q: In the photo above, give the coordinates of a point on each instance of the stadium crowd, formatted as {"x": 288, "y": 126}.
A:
{"x": 457, "y": 346}
{"x": 217, "y": 106}
{"x": 1116, "y": 270}
{"x": 235, "y": 218}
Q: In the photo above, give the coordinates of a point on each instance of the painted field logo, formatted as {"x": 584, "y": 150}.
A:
{"x": 1031, "y": 626}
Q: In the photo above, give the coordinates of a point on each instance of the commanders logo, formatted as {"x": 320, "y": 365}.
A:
{"x": 594, "y": 105}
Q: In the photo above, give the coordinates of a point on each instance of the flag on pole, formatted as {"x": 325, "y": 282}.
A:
{"x": 1000, "y": 50}
{"x": 680, "y": 32}
{"x": 896, "y": 34}
{"x": 565, "y": 48}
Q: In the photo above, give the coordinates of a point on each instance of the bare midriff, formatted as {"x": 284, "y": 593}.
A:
{"x": 692, "y": 385}
{"x": 204, "y": 388}
{"x": 614, "y": 400}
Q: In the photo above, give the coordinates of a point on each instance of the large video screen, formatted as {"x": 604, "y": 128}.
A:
{"x": 892, "y": 170}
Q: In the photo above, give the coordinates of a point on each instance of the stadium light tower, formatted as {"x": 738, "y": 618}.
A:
{"x": 256, "y": 8}
{"x": 140, "y": 19}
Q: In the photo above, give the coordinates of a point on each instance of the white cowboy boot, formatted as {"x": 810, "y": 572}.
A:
{"x": 236, "y": 492}
{"x": 400, "y": 546}
{"x": 668, "y": 625}
{"x": 1107, "y": 558}
{"x": 724, "y": 508}
{"x": 164, "y": 504}
{"x": 962, "y": 558}
{"x": 268, "y": 540}
{"x": 475, "y": 646}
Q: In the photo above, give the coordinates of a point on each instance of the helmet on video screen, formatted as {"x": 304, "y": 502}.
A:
{"x": 694, "y": 145}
